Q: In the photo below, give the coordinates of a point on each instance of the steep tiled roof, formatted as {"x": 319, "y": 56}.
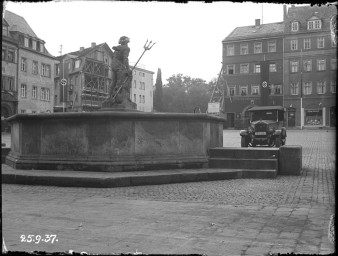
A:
{"x": 303, "y": 13}
{"x": 86, "y": 51}
{"x": 18, "y": 23}
{"x": 256, "y": 31}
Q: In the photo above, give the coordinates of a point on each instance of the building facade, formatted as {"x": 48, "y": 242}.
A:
{"x": 252, "y": 54}
{"x": 310, "y": 67}
{"x": 87, "y": 76}
{"x": 34, "y": 68}
{"x": 9, "y": 74}
{"x": 142, "y": 89}
{"x": 301, "y": 61}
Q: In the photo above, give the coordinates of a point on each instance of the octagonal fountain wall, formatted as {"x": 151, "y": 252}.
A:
{"x": 112, "y": 140}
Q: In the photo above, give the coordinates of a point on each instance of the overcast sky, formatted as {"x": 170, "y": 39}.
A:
{"x": 188, "y": 36}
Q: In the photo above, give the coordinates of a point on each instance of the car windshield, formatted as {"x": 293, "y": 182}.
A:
{"x": 264, "y": 115}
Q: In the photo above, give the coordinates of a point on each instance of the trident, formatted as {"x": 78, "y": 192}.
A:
{"x": 146, "y": 48}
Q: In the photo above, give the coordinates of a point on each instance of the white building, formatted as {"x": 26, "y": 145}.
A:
{"x": 142, "y": 89}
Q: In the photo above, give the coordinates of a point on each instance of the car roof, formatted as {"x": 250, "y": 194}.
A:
{"x": 266, "y": 108}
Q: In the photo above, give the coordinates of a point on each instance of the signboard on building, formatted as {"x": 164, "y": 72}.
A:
{"x": 214, "y": 107}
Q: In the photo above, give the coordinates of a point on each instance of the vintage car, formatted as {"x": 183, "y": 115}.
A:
{"x": 266, "y": 127}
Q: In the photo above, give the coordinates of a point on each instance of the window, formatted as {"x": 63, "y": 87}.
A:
{"x": 144, "y": 99}
{"x": 272, "y": 46}
{"x": 307, "y": 43}
{"x": 232, "y": 91}
{"x": 255, "y": 90}
{"x": 294, "y": 26}
{"x": 134, "y": 83}
{"x": 30, "y": 43}
{"x": 320, "y": 42}
{"x": 294, "y": 66}
{"x": 272, "y": 67}
{"x": 321, "y": 87}
{"x": 57, "y": 69}
{"x": 38, "y": 46}
{"x": 135, "y": 98}
{"x": 34, "y": 92}
{"x": 4, "y": 30}
{"x": 35, "y": 68}
{"x": 307, "y": 65}
{"x": 10, "y": 82}
{"x": 23, "y": 90}
{"x": 257, "y": 68}
{"x": 42, "y": 93}
{"x": 333, "y": 86}
{"x": 23, "y": 64}
{"x": 321, "y": 65}
{"x": 34, "y": 45}
{"x": 244, "y": 49}
{"x": 41, "y": 47}
{"x": 314, "y": 24}
{"x": 47, "y": 94}
{"x": 258, "y": 47}
{"x": 26, "y": 42}
{"x": 294, "y": 88}
{"x": 333, "y": 64}
{"x": 231, "y": 69}
{"x": 77, "y": 63}
{"x": 307, "y": 88}
{"x": 7, "y": 83}
{"x": 3, "y": 54}
{"x": 140, "y": 99}
{"x": 277, "y": 89}
{"x": 45, "y": 70}
{"x": 244, "y": 90}
{"x": 244, "y": 68}
{"x": 10, "y": 55}
{"x": 230, "y": 50}
{"x": 294, "y": 45}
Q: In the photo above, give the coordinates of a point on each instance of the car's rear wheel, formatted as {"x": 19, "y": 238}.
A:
{"x": 278, "y": 142}
{"x": 244, "y": 142}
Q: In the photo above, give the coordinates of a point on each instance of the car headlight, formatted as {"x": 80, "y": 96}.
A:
{"x": 250, "y": 129}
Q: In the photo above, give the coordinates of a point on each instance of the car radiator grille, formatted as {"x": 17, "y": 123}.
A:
{"x": 260, "y": 129}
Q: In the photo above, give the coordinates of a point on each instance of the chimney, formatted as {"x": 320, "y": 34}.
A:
{"x": 257, "y": 22}
{"x": 285, "y": 12}
{"x": 93, "y": 44}
{"x": 81, "y": 48}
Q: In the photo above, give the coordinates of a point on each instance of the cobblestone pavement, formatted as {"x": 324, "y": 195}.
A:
{"x": 232, "y": 217}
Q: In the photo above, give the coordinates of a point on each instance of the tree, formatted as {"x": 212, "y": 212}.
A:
{"x": 183, "y": 94}
{"x": 158, "y": 94}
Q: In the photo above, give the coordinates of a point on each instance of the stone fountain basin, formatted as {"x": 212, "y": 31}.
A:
{"x": 112, "y": 140}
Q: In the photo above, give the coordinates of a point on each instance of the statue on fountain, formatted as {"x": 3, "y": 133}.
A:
{"x": 119, "y": 91}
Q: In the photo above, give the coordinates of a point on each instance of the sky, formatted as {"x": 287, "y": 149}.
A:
{"x": 188, "y": 36}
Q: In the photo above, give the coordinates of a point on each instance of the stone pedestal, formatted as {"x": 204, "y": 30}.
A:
{"x": 290, "y": 160}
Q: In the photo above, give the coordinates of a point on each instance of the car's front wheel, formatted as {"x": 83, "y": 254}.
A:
{"x": 244, "y": 142}
{"x": 278, "y": 142}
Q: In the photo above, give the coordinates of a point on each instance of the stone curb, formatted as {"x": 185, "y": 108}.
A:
{"x": 123, "y": 179}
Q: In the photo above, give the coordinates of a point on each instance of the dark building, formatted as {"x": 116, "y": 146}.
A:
{"x": 253, "y": 70}
{"x": 310, "y": 67}
{"x": 291, "y": 63}
{"x": 88, "y": 77}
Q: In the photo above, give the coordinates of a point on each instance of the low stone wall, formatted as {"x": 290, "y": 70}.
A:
{"x": 290, "y": 160}
{"x": 112, "y": 141}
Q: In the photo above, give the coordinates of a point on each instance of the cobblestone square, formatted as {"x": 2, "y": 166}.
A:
{"x": 232, "y": 217}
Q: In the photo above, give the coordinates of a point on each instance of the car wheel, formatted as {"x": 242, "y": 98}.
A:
{"x": 244, "y": 142}
{"x": 278, "y": 142}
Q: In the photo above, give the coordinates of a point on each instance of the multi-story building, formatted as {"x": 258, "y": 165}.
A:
{"x": 310, "y": 67}
{"x": 252, "y": 69}
{"x": 9, "y": 74}
{"x": 302, "y": 68}
{"x": 34, "y": 67}
{"x": 88, "y": 77}
{"x": 142, "y": 89}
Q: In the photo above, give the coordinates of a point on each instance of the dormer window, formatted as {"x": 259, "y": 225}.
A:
{"x": 314, "y": 23}
{"x": 294, "y": 26}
